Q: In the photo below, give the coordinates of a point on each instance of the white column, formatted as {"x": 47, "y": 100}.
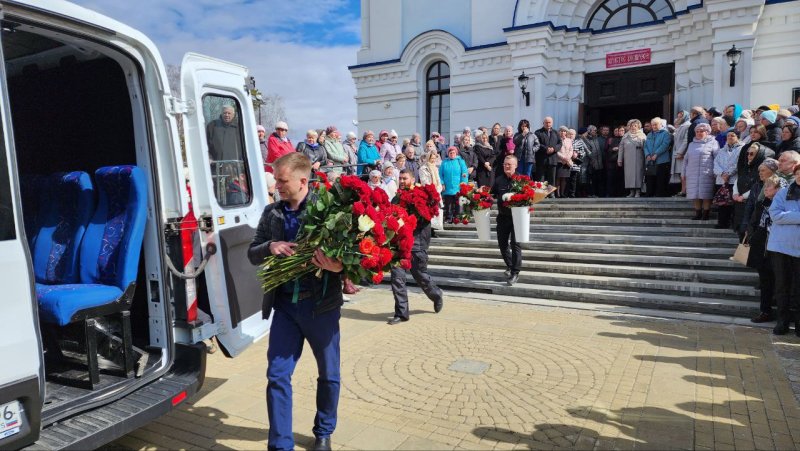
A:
{"x": 365, "y": 24}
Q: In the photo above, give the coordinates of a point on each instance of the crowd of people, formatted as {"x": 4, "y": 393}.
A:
{"x": 736, "y": 160}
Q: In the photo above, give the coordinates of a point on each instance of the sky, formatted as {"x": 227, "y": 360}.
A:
{"x": 298, "y": 49}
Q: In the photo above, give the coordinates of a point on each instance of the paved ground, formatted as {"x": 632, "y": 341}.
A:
{"x": 488, "y": 375}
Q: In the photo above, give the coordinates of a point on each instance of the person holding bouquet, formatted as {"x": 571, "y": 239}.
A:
{"x": 419, "y": 263}
{"x": 305, "y": 309}
{"x": 505, "y": 225}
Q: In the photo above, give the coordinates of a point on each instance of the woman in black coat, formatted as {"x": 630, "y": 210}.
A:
{"x": 758, "y": 258}
{"x": 790, "y": 139}
{"x": 750, "y": 158}
{"x": 486, "y": 160}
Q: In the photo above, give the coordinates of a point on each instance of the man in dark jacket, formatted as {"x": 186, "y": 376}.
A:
{"x": 526, "y": 148}
{"x": 307, "y": 309}
{"x": 224, "y": 140}
{"x": 547, "y": 156}
{"x": 419, "y": 265}
{"x": 505, "y": 225}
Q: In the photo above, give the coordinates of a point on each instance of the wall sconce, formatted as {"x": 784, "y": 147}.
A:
{"x": 734, "y": 55}
{"x": 523, "y": 85}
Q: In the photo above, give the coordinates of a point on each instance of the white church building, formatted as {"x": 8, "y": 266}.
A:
{"x": 440, "y": 65}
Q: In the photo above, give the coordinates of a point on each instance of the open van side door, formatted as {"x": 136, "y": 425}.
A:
{"x": 228, "y": 191}
{"x": 21, "y": 362}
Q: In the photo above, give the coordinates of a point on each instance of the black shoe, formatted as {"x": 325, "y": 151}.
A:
{"x": 781, "y": 329}
{"x": 706, "y": 215}
{"x": 395, "y": 320}
{"x": 438, "y": 305}
{"x": 513, "y": 279}
{"x": 762, "y": 318}
{"x": 722, "y": 226}
{"x": 698, "y": 214}
{"x": 507, "y": 273}
{"x": 322, "y": 444}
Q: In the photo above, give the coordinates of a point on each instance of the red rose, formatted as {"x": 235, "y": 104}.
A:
{"x": 465, "y": 221}
{"x": 359, "y": 208}
{"x": 366, "y": 246}
{"x": 379, "y": 232}
{"x": 369, "y": 262}
{"x": 392, "y": 224}
{"x": 405, "y": 263}
{"x": 378, "y": 277}
{"x": 386, "y": 256}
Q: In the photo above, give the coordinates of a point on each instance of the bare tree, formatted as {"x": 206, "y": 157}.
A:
{"x": 270, "y": 110}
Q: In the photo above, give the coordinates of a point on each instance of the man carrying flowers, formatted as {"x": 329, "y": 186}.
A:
{"x": 306, "y": 308}
{"x": 505, "y": 225}
{"x": 424, "y": 202}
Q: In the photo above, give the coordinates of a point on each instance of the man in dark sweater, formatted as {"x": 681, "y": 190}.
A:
{"x": 505, "y": 225}
{"x": 306, "y": 309}
{"x": 419, "y": 265}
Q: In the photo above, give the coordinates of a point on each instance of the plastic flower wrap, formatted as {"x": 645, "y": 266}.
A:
{"x": 352, "y": 223}
{"x": 472, "y": 199}
{"x": 525, "y": 192}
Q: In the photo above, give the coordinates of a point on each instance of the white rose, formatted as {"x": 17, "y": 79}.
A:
{"x": 507, "y": 197}
{"x": 365, "y": 224}
{"x": 463, "y": 201}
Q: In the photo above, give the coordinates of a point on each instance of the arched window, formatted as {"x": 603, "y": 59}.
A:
{"x": 437, "y": 94}
{"x": 621, "y": 13}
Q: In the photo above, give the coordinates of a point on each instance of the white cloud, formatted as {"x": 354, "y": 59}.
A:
{"x": 313, "y": 80}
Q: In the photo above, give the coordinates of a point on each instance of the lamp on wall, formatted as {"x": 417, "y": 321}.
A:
{"x": 734, "y": 55}
{"x": 523, "y": 85}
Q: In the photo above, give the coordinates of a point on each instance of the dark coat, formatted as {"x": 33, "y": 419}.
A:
{"x": 547, "y": 139}
{"x": 486, "y": 154}
{"x": 502, "y": 185}
{"x": 758, "y": 234}
{"x": 594, "y": 146}
{"x": 791, "y": 144}
{"x": 527, "y": 147}
{"x": 224, "y": 140}
{"x": 773, "y": 138}
{"x": 612, "y": 154}
{"x": 270, "y": 228}
{"x": 470, "y": 159}
{"x": 316, "y": 155}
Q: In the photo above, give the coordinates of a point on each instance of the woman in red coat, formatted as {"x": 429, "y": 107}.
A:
{"x": 278, "y": 144}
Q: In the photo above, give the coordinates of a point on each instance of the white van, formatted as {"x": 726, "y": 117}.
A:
{"x": 109, "y": 285}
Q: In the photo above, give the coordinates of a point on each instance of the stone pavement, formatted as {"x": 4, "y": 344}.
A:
{"x": 489, "y": 375}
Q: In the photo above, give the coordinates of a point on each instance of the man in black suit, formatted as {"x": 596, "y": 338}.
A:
{"x": 505, "y": 225}
{"x": 547, "y": 156}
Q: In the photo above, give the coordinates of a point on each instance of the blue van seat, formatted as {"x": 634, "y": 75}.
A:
{"x": 109, "y": 252}
{"x": 67, "y": 203}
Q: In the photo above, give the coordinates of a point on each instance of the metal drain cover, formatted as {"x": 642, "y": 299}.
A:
{"x": 474, "y": 367}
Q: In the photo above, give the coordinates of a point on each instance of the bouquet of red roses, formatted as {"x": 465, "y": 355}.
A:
{"x": 352, "y": 223}
{"x": 525, "y": 192}
{"x": 421, "y": 201}
{"x": 472, "y": 199}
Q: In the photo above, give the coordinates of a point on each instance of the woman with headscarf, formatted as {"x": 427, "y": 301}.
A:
{"x": 631, "y": 157}
{"x": 351, "y": 148}
{"x": 725, "y": 171}
{"x": 368, "y": 155}
{"x": 784, "y": 247}
{"x": 742, "y": 128}
{"x": 486, "y": 159}
{"x": 766, "y": 169}
{"x": 698, "y": 169}
{"x": 680, "y": 140}
{"x": 753, "y": 155}
{"x": 429, "y": 175}
{"x": 790, "y": 135}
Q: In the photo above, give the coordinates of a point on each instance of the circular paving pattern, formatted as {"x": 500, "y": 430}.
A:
{"x": 480, "y": 376}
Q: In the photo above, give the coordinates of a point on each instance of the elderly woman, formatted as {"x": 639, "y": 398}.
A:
{"x": 725, "y": 172}
{"x": 429, "y": 175}
{"x": 784, "y": 247}
{"x": 698, "y": 169}
{"x": 388, "y": 179}
{"x": 766, "y": 169}
{"x": 452, "y": 173}
{"x": 351, "y": 147}
{"x": 467, "y": 152}
{"x": 759, "y": 259}
{"x": 334, "y": 150}
{"x": 313, "y": 150}
{"x": 631, "y": 157}
{"x": 680, "y": 140}
{"x": 579, "y": 164}
{"x": 656, "y": 153}
{"x": 486, "y": 159}
{"x": 747, "y": 174}
{"x": 368, "y": 155}
{"x": 564, "y": 162}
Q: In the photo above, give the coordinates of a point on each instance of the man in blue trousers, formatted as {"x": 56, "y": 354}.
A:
{"x": 306, "y": 309}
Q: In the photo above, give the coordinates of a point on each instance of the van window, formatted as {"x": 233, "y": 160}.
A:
{"x": 6, "y": 209}
{"x": 225, "y": 139}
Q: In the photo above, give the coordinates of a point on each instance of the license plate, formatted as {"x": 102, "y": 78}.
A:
{"x": 10, "y": 419}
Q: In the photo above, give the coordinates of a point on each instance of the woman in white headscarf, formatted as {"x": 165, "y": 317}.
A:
{"x": 631, "y": 157}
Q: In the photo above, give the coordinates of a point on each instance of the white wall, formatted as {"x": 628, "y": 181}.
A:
{"x": 776, "y": 55}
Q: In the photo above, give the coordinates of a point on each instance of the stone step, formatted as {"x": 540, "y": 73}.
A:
{"x": 534, "y": 264}
{"x": 677, "y": 251}
{"x": 621, "y": 214}
{"x": 645, "y": 222}
{"x": 555, "y": 206}
{"x": 670, "y": 287}
{"x": 660, "y": 301}
{"x": 616, "y": 229}
{"x": 620, "y": 200}
{"x": 654, "y": 239}
{"x": 689, "y": 262}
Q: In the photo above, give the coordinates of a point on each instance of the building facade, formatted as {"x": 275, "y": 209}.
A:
{"x": 441, "y": 65}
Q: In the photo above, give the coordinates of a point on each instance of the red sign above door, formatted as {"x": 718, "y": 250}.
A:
{"x": 628, "y": 58}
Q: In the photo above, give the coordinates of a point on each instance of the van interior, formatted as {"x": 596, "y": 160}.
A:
{"x": 85, "y": 199}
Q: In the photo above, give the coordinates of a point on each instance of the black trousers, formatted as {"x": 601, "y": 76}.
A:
{"x": 450, "y": 207}
{"x": 787, "y": 285}
{"x": 545, "y": 172}
{"x": 505, "y": 234}
{"x": 598, "y": 183}
{"x": 766, "y": 277}
{"x": 419, "y": 271}
{"x": 657, "y": 184}
{"x": 614, "y": 181}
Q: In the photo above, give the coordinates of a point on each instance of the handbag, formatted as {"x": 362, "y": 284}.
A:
{"x": 723, "y": 197}
{"x": 742, "y": 252}
{"x": 650, "y": 169}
